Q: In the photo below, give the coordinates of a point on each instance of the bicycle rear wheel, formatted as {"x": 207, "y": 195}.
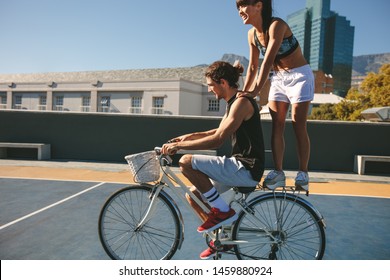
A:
{"x": 279, "y": 226}
{"x": 122, "y": 237}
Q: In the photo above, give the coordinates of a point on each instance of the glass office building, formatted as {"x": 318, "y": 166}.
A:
{"x": 326, "y": 39}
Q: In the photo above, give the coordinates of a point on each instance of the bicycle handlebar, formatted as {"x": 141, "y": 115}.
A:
{"x": 158, "y": 150}
{"x": 167, "y": 157}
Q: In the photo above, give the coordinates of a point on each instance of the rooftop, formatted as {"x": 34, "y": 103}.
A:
{"x": 195, "y": 74}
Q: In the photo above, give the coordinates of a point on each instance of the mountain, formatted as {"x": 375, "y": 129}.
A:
{"x": 361, "y": 65}
{"x": 231, "y": 58}
{"x": 364, "y": 64}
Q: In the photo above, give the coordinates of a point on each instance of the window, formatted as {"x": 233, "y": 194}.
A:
{"x": 3, "y": 102}
{"x": 213, "y": 105}
{"x": 59, "y": 103}
{"x": 136, "y": 105}
{"x": 158, "y": 105}
{"x": 18, "y": 102}
{"x": 105, "y": 104}
{"x": 86, "y": 104}
{"x": 42, "y": 103}
{"x": 59, "y": 100}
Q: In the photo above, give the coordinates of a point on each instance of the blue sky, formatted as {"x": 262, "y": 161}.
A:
{"x": 92, "y": 35}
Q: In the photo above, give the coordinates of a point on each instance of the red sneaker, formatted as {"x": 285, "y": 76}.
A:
{"x": 211, "y": 251}
{"x": 217, "y": 219}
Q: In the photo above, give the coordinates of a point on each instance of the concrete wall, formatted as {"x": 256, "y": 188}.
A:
{"x": 109, "y": 137}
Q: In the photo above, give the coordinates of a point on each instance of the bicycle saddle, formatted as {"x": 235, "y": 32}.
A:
{"x": 244, "y": 190}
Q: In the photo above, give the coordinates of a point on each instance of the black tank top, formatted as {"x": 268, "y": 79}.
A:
{"x": 247, "y": 142}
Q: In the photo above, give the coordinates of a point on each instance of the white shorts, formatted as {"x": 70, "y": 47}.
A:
{"x": 292, "y": 86}
{"x": 224, "y": 172}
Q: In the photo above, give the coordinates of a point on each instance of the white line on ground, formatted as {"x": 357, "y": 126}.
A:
{"x": 50, "y": 206}
{"x": 58, "y": 179}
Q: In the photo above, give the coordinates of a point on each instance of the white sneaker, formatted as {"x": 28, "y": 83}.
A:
{"x": 302, "y": 180}
{"x": 275, "y": 179}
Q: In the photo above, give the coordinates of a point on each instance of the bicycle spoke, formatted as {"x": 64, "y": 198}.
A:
{"x": 124, "y": 237}
{"x": 288, "y": 230}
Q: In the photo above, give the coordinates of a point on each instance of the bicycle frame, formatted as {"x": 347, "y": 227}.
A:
{"x": 167, "y": 171}
{"x": 167, "y": 180}
{"x": 270, "y": 225}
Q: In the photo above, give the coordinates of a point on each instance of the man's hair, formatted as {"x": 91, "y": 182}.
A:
{"x": 224, "y": 70}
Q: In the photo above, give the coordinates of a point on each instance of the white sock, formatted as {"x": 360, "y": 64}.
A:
{"x": 216, "y": 200}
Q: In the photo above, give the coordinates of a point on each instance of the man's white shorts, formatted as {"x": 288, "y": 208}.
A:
{"x": 224, "y": 172}
{"x": 292, "y": 86}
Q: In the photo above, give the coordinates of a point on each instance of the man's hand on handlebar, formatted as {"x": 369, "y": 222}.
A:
{"x": 170, "y": 148}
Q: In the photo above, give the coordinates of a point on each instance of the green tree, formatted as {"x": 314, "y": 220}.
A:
{"x": 378, "y": 86}
{"x": 323, "y": 112}
{"x": 374, "y": 92}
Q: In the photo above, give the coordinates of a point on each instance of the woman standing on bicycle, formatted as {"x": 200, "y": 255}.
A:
{"x": 292, "y": 82}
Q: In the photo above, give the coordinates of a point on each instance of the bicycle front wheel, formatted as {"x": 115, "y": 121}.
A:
{"x": 279, "y": 226}
{"x": 124, "y": 237}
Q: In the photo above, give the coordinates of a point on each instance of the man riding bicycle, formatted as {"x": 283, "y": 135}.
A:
{"x": 213, "y": 175}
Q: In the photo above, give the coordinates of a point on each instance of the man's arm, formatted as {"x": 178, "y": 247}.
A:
{"x": 240, "y": 111}
{"x": 193, "y": 136}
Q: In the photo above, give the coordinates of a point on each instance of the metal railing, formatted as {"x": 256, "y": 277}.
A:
{"x": 85, "y": 108}
{"x": 58, "y": 108}
{"x": 157, "y": 110}
{"x": 135, "y": 110}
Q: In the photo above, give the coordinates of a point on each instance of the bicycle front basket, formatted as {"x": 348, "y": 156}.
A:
{"x": 144, "y": 166}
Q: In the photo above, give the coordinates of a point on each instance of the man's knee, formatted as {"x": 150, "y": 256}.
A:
{"x": 185, "y": 162}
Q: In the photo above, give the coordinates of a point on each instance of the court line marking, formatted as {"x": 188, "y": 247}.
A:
{"x": 50, "y": 206}
{"x": 62, "y": 180}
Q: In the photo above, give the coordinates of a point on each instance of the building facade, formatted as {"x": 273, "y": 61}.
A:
{"x": 155, "y": 97}
{"x": 327, "y": 40}
{"x": 323, "y": 83}
{"x": 170, "y": 91}
{"x": 165, "y": 91}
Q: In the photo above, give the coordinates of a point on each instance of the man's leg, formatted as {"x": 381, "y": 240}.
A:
{"x": 199, "y": 211}
{"x": 202, "y": 182}
{"x": 220, "y": 213}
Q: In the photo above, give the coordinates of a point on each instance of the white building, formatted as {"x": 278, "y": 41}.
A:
{"x": 169, "y": 97}
{"x": 169, "y": 91}
{"x": 143, "y": 92}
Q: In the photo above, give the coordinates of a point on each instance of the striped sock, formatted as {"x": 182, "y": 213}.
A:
{"x": 216, "y": 200}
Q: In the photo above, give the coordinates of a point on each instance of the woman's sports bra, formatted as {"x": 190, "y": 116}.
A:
{"x": 288, "y": 45}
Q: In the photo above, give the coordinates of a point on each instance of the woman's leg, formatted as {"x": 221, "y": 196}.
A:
{"x": 278, "y": 111}
{"x": 299, "y": 119}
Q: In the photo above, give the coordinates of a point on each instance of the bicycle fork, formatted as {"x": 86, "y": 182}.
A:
{"x": 149, "y": 212}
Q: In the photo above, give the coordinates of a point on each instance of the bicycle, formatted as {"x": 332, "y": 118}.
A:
{"x": 144, "y": 222}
